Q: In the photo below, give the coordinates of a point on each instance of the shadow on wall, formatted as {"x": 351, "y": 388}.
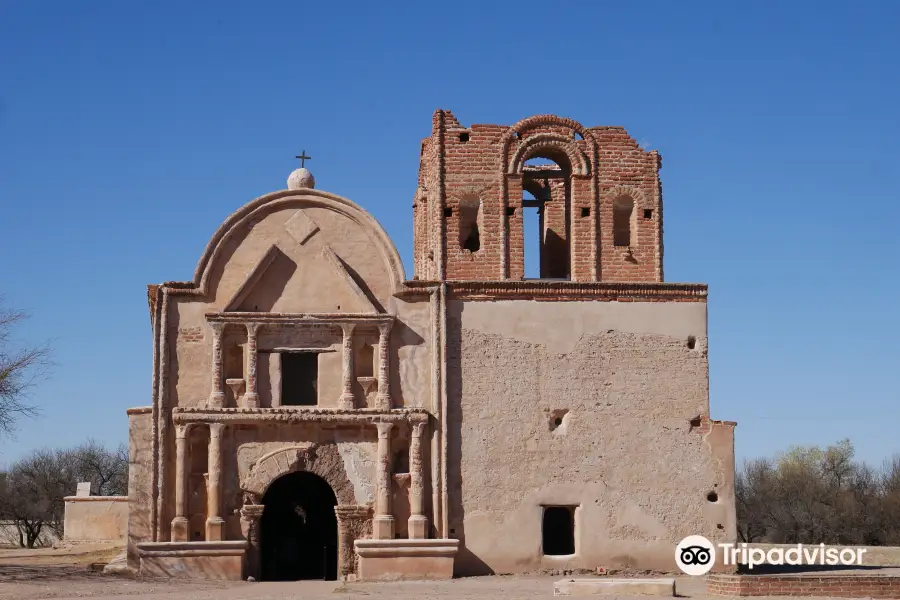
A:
{"x": 466, "y": 563}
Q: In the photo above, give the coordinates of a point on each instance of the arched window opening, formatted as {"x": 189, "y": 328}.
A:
{"x": 470, "y": 224}
{"x": 623, "y": 209}
{"x": 546, "y": 204}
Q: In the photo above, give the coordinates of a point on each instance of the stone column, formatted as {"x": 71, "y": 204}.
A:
{"x": 383, "y": 526}
{"x": 215, "y": 524}
{"x": 418, "y": 522}
{"x": 251, "y": 396}
{"x": 217, "y": 393}
{"x": 383, "y": 400}
{"x": 346, "y": 401}
{"x": 250, "y": 515}
{"x": 180, "y": 522}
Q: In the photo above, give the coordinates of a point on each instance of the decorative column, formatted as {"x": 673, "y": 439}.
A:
{"x": 346, "y": 401}
{"x": 383, "y": 525}
{"x": 251, "y": 396}
{"x": 383, "y": 400}
{"x": 418, "y": 522}
{"x": 217, "y": 395}
{"x": 215, "y": 524}
{"x": 250, "y": 515}
{"x": 180, "y": 522}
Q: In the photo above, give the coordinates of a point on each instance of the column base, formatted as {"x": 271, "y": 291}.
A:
{"x": 215, "y": 529}
{"x": 216, "y": 400}
{"x": 383, "y": 402}
{"x": 417, "y": 526}
{"x": 383, "y": 527}
{"x": 250, "y": 400}
{"x": 180, "y": 529}
{"x": 346, "y": 402}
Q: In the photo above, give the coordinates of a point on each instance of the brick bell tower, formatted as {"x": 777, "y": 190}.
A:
{"x": 597, "y": 196}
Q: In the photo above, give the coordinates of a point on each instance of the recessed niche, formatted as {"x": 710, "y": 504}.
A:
{"x": 648, "y": 213}
{"x": 691, "y": 342}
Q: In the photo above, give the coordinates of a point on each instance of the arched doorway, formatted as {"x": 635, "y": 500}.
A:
{"x": 298, "y": 529}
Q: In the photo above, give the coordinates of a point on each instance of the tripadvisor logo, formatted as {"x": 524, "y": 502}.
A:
{"x": 696, "y": 555}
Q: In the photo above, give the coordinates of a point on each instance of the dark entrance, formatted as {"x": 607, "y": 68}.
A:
{"x": 298, "y": 529}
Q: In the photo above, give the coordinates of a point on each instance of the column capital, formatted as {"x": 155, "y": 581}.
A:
{"x": 384, "y": 429}
{"x": 217, "y": 326}
{"x": 417, "y": 427}
{"x": 216, "y": 430}
{"x": 182, "y": 430}
{"x": 252, "y": 327}
{"x": 348, "y": 328}
{"x": 384, "y": 327}
{"x": 252, "y": 512}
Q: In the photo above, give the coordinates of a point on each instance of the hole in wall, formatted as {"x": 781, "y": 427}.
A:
{"x": 648, "y": 213}
{"x": 577, "y": 136}
{"x": 585, "y": 212}
{"x": 695, "y": 422}
{"x": 719, "y": 526}
{"x": 464, "y": 137}
{"x": 510, "y": 211}
{"x": 691, "y": 342}
{"x": 712, "y": 497}
{"x": 559, "y": 420}
{"x": 448, "y": 212}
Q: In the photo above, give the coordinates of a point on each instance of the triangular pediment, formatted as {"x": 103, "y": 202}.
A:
{"x": 301, "y": 279}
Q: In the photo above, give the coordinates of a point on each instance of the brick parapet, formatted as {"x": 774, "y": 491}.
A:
{"x": 838, "y": 585}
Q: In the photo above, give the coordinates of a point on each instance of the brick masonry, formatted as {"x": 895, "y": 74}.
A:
{"x": 841, "y": 586}
{"x": 485, "y": 165}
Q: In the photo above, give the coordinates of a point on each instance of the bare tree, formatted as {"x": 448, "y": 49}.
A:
{"x": 33, "y": 491}
{"x": 20, "y": 369}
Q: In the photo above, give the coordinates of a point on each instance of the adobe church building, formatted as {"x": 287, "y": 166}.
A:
{"x": 317, "y": 415}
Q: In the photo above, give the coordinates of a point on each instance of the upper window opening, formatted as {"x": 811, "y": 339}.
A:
{"x": 365, "y": 361}
{"x": 470, "y": 224}
{"x": 300, "y": 379}
{"x": 623, "y": 207}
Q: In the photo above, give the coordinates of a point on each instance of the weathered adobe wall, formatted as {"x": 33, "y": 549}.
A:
{"x": 631, "y": 450}
{"x": 95, "y": 518}
{"x": 473, "y": 161}
{"x": 140, "y": 480}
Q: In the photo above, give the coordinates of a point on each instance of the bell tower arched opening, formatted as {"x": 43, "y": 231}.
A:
{"x": 546, "y": 212}
{"x": 298, "y": 529}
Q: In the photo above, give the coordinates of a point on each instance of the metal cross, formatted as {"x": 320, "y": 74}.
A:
{"x": 303, "y": 158}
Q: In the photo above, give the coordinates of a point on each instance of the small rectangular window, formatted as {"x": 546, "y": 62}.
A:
{"x": 300, "y": 379}
{"x": 558, "y": 531}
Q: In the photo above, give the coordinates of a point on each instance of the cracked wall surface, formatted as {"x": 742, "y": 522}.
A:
{"x": 623, "y": 382}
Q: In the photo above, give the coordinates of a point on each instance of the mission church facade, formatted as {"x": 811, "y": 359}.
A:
{"x": 317, "y": 415}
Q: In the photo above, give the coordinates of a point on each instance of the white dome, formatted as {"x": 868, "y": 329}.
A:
{"x": 300, "y": 179}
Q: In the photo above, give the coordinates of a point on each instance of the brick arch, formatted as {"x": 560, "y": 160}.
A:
{"x": 550, "y": 144}
{"x": 640, "y": 199}
{"x": 322, "y": 460}
{"x": 539, "y": 121}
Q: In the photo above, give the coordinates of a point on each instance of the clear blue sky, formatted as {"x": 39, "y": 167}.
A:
{"x": 130, "y": 130}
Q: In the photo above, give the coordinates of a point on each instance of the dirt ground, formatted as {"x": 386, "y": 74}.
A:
{"x": 66, "y": 573}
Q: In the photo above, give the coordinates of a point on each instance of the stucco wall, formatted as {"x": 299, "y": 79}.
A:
{"x": 628, "y": 389}
{"x": 96, "y": 518}
{"x": 140, "y": 473}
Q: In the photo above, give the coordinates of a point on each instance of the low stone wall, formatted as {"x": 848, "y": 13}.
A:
{"x": 96, "y": 518}
{"x": 842, "y": 586}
